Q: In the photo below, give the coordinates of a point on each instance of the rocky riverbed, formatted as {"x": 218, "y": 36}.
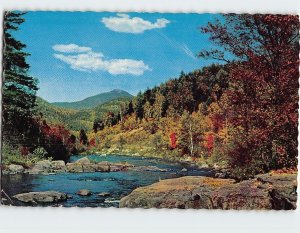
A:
{"x": 137, "y": 182}
{"x": 83, "y": 165}
{"x": 264, "y": 192}
{"x": 105, "y": 178}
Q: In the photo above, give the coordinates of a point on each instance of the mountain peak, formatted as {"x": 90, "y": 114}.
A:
{"x": 95, "y": 100}
{"x": 118, "y": 90}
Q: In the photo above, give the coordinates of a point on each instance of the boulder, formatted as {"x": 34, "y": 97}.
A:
{"x": 88, "y": 167}
{"x": 102, "y": 167}
{"x": 15, "y": 169}
{"x": 263, "y": 192}
{"x": 58, "y": 166}
{"x": 74, "y": 167}
{"x": 241, "y": 196}
{"x": 43, "y": 166}
{"x": 282, "y": 189}
{"x": 114, "y": 168}
{"x": 148, "y": 168}
{"x": 41, "y": 197}
{"x": 104, "y": 163}
{"x": 220, "y": 175}
{"x": 103, "y": 194}
{"x": 174, "y": 193}
{"x": 84, "y": 192}
{"x": 83, "y": 160}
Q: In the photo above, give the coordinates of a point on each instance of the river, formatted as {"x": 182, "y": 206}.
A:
{"x": 118, "y": 184}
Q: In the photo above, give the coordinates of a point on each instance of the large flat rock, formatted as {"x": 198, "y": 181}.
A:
{"x": 41, "y": 197}
{"x": 264, "y": 192}
{"x": 174, "y": 193}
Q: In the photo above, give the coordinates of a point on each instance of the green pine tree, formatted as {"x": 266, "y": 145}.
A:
{"x": 19, "y": 88}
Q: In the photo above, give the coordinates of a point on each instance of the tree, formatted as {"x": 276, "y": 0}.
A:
{"x": 130, "y": 109}
{"x": 173, "y": 140}
{"x": 83, "y": 137}
{"x": 158, "y": 106}
{"x": 139, "y": 109}
{"x": 19, "y": 89}
{"x": 263, "y": 91}
{"x": 98, "y": 125}
{"x": 72, "y": 139}
{"x": 192, "y": 128}
{"x": 148, "y": 110}
{"x": 157, "y": 141}
{"x": 121, "y": 142}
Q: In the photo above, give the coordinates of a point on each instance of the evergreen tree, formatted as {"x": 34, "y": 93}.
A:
{"x": 83, "y": 137}
{"x": 130, "y": 109}
{"x": 19, "y": 89}
{"x": 139, "y": 109}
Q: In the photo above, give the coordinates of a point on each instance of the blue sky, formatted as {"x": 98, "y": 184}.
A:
{"x": 79, "y": 54}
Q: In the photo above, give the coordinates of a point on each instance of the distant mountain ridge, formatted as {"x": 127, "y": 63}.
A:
{"x": 76, "y": 119}
{"x": 95, "y": 100}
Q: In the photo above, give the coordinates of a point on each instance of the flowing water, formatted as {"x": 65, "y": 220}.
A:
{"x": 118, "y": 184}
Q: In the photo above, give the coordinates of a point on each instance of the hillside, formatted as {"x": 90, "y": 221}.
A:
{"x": 77, "y": 119}
{"x": 94, "y": 101}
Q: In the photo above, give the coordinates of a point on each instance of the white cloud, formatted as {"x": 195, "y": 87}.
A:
{"x": 92, "y": 61}
{"x": 123, "y": 23}
{"x": 71, "y": 48}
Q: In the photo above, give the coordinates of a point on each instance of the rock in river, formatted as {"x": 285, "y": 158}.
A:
{"x": 102, "y": 167}
{"x": 74, "y": 167}
{"x": 148, "y": 168}
{"x": 43, "y": 166}
{"x": 84, "y": 192}
{"x": 83, "y": 160}
{"x": 15, "y": 169}
{"x": 104, "y": 194}
{"x": 58, "y": 166}
{"x": 41, "y": 197}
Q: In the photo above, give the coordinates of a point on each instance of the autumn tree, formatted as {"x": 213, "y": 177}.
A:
{"x": 157, "y": 141}
{"x": 263, "y": 90}
{"x": 121, "y": 142}
{"x": 192, "y": 128}
{"x": 158, "y": 106}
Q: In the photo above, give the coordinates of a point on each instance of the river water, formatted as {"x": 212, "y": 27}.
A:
{"x": 118, "y": 184}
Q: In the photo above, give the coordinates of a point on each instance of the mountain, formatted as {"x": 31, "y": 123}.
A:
{"x": 76, "y": 119}
{"x": 94, "y": 101}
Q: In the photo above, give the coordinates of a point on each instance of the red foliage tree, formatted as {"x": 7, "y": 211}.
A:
{"x": 173, "y": 140}
{"x": 263, "y": 91}
{"x": 55, "y": 139}
{"x": 209, "y": 142}
{"x": 92, "y": 142}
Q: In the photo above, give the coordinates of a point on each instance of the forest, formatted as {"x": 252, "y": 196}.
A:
{"x": 241, "y": 112}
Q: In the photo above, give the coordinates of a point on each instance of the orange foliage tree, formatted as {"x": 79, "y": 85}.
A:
{"x": 263, "y": 92}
